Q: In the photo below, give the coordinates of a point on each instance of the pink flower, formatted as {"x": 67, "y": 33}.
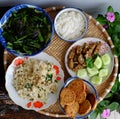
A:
{"x": 105, "y": 113}
{"x": 110, "y": 16}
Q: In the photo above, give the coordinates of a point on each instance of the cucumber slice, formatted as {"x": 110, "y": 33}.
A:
{"x": 82, "y": 73}
{"x": 92, "y": 71}
{"x": 96, "y": 80}
{"x": 103, "y": 72}
{"x": 98, "y": 62}
{"x": 106, "y": 59}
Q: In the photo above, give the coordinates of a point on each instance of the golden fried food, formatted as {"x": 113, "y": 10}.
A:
{"x": 71, "y": 63}
{"x": 62, "y": 103}
{"x": 87, "y": 90}
{"x": 96, "y": 51}
{"x": 76, "y": 98}
{"x": 77, "y": 85}
{"x": 81, "y": 97}
{"x": 91, "y": 97}
{"x": 72, "y": 110}
{"x": 71, "y": 54}
{"x": 79, "y": 53}
{"x": 67, "y": 97}
{"x": 84, "y": 108}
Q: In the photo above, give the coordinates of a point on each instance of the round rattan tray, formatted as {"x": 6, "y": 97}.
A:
{"x": 58, "y": 49}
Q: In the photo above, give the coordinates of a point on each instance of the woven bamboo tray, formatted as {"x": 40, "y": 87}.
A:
{"x": 58, "y": 49}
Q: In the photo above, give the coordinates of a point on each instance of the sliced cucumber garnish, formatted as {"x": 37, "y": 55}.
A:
{"x": 92, "y": 71}
{"x": 106, "y": 59}
{"x": 103, "y": 72}
{"x": 98, "y": 62}
{"x": 96, "y": 80}
{"x": 82, "y": 73}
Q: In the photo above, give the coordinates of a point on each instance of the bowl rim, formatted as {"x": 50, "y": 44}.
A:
{"x": 82, "y": 12}
{"x": 8, "y": 14}
{"x": 91, "y": 85}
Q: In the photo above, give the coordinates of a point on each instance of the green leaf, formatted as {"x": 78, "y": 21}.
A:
{"x": 115, "y": 38}
{"x": 113, "y": 106}
{"x": 104, "y": 103}
{"x": 116, "y": 52}
{"x": 117, "y": 28}
{"x": 114, "y": 88}
{"x": 89, "y": 62}
{"x": 118, "y": 84}
{"x": 110, "y": 31}
{"x": 110, "y": 9}
{"x": 41, "y": 38}
{"x": 117, "y": 16}
{"x": 101, "y": 19}
{"x": 116, "y": 22}
{"x": 94, "y": 115}
{"x": 108, "y": 95}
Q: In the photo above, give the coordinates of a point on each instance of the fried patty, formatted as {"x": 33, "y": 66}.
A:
{"x": 77, "y": 85}
{"x": 84, "y": 108}
{"x": 67, "y": 97}
{"x": 91, "y": 97}
{"x": 72, "y": 110}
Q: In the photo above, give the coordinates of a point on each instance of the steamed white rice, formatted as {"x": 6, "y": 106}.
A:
{"x": 70, "y": 25}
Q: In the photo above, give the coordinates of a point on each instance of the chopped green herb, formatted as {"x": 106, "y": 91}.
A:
{"x": 56, "y": 81}
{"x": 28, "y": 85}
{"x": 38, "y": 95}
{"x": 90, "y": 61}
{"x": 49, "y": 77}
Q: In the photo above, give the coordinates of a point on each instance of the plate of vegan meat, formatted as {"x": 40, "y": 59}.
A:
{"x": 91, "y": 59}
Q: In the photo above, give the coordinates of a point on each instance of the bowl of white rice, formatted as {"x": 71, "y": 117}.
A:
{"x": 71, "y": 24}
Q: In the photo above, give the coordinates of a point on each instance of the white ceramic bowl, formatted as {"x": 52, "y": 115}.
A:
{"x": 71, "y": 24}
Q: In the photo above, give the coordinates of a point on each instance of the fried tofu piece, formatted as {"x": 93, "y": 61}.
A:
{"x": 89, "y": 53}
{"x": 85, "y": 47}
{"x": 91, "y": 97}
{"x": 81, "y": 97}
{"x": 77, "y": 67}
{"x": 77, "y": 85}
{"x": 84, "y": 108}
{"x": 79, "y": 50}
{"x": 71, "y": 54}
{"x": 72, "y": 110}
{"x": 67, "y": 97}
{"x": 70, "y": 63}
{"x": 87, "y": 90}
{"x": 98, "y": 46}
{"x": 81, "y": 59}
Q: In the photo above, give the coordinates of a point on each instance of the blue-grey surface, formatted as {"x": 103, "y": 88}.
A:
{"x": 91, "y": 6}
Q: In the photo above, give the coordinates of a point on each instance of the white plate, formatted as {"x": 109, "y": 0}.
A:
{"x": 52, "y": 98}
{"x": 87, "y": 40}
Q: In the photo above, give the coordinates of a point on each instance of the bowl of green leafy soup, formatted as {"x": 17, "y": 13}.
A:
{"x": 26, "y": 30}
